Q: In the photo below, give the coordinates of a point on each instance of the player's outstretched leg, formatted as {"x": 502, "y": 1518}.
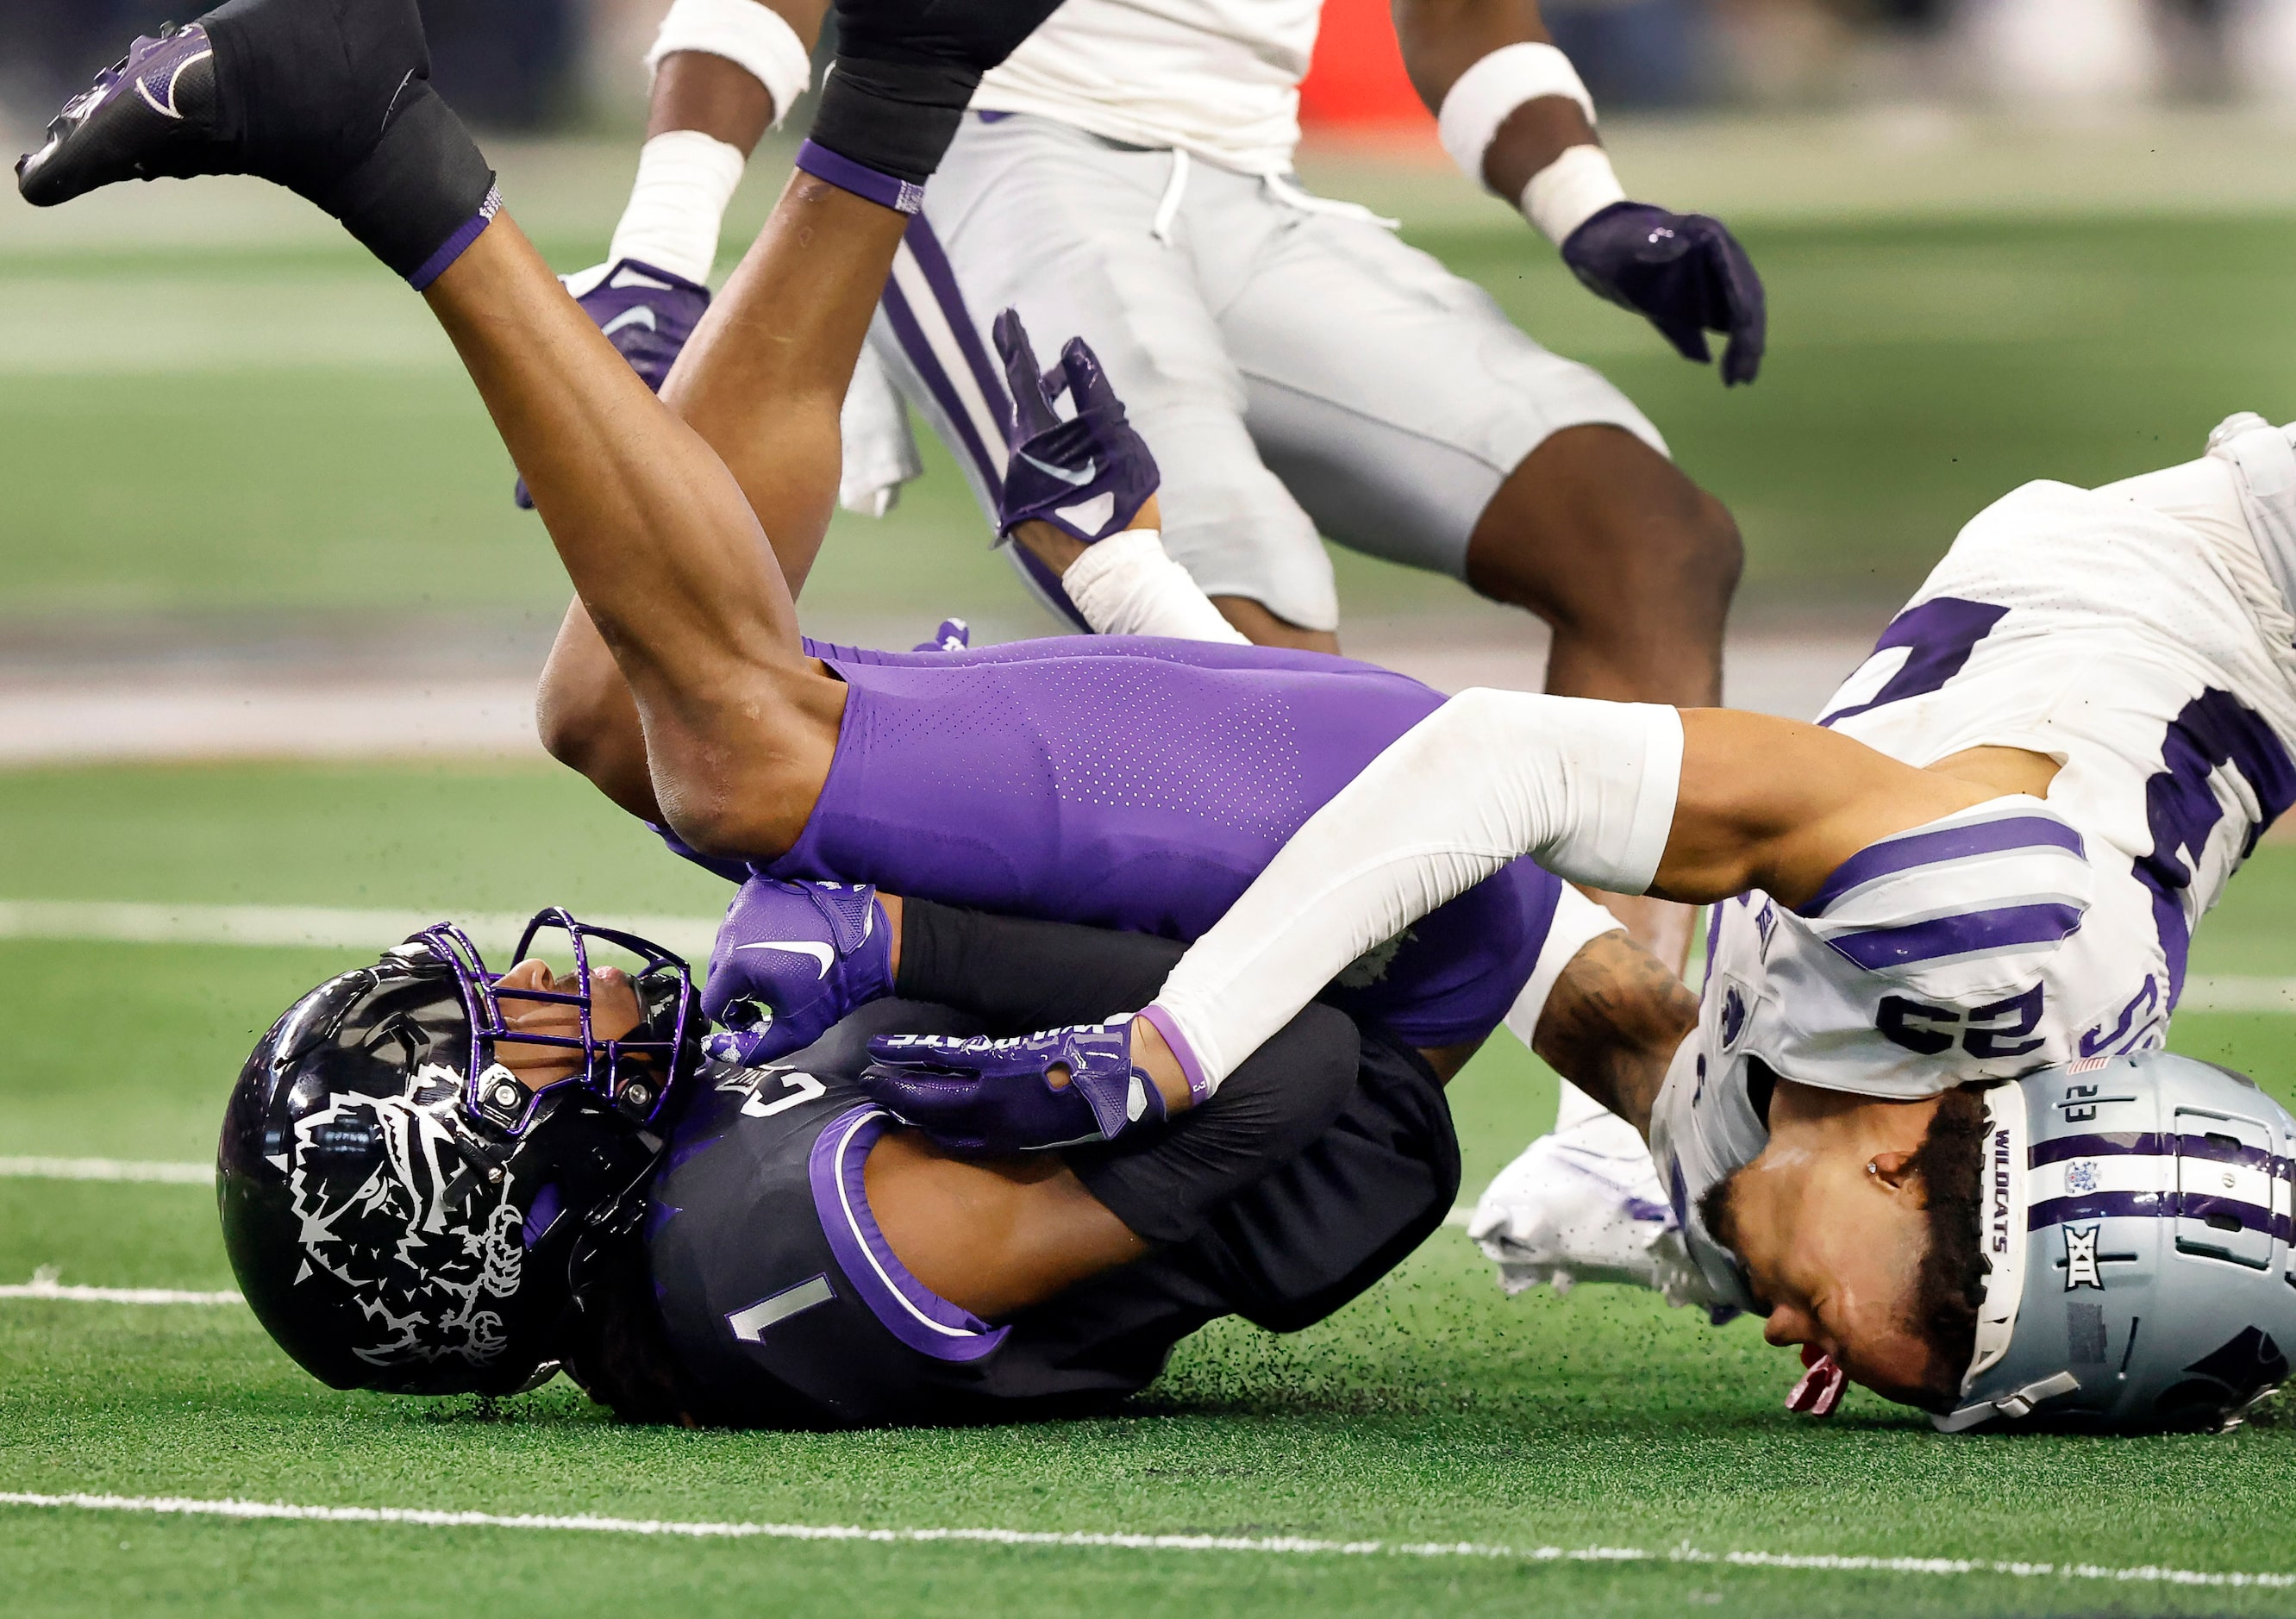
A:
{"x": 329, "y": 98}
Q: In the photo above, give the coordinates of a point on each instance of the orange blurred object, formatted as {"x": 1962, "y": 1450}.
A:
{"x": 1355, "y": 80}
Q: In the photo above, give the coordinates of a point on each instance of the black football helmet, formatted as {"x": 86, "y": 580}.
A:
{"x": 403, "y": 1213}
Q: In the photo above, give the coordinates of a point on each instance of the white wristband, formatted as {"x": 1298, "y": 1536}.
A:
{"x": 1568, "y": 191}
{"x": 1127, "y": 585}
{"x": 1486, "y": 94}
{"x": 750, "y": 35}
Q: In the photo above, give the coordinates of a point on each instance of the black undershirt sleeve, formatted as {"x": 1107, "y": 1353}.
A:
{"x": 1019, "y": 975}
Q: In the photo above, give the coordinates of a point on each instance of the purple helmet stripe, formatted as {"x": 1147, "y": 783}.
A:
{"x": 2162, "y": 1145}
{"x": 2123, "y": 1143}
{"x": 2152, "y": 1206}
{"x": 1991, "y": 837}
{"x": 918, "y": 1317}
{"x": 1972, "y": 933}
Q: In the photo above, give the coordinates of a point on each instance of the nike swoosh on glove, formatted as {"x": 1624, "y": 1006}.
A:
{"x": 986, "y": 1096}
{"x": 1087, "y": 475}
{"x": 1576, "y": 1207}
{"x": 1685, "y": 272}
{"x": 646, "y": 313}
{"x": 791, "y": 960}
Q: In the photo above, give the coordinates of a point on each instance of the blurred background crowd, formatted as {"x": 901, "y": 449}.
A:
{"x": 566, "y": 64}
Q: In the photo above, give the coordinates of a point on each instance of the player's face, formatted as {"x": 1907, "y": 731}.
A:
{"x": 614, "y": 1012}
{"x": 1834, "y": 1250}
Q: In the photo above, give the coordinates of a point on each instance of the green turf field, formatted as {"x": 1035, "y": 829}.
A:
{"x": 222, "y": 435}
{"x": 214, "y": 431}
{"x": 1434, "y": 1410}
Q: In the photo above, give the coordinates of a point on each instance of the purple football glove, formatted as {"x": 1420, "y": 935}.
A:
{"x": 953, "y": 635}
{"x": 1685, "y": 271}
{"x": 995, "y": 1096}
{"x": 791, "y": 960}
{"x": 1087, "y": 475}
{"x": 646, "y": 313}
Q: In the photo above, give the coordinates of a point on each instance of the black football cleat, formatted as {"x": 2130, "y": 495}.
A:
{"x": 150, "y": 116}
{"x": 329, "y": 98}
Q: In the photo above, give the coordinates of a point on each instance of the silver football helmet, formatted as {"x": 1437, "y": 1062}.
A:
{"x": 2137, "y": 1226}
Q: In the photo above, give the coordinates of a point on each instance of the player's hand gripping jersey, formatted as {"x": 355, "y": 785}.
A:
{"x": 2140, "y": 635}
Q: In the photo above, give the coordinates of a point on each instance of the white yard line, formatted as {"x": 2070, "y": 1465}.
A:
{"x": 106, "y": 1169}
{"x": 126, "y": 922}
{"x": 1271, "y": 1546}
{"x": 116, "y": 1296}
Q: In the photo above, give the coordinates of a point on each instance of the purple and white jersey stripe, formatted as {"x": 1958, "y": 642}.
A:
{"x": 2006, "y": 879}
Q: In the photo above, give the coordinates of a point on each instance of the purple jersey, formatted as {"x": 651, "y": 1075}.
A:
{"x": 1143, "y": 784}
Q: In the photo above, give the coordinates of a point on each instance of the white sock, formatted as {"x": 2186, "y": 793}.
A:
{"x": 685, "y": 178}
{"x": 1127, "y": 585}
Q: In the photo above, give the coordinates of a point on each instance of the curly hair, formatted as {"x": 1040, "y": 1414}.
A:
{"x": 1951, "y": 1165}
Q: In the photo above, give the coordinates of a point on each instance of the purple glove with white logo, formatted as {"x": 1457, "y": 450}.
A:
{"x": 1685, "y": 271}
{"x": 997, "y": 1096}
{"x": 955, "y": 635}
{"x": 1087, "y": 475}
{"x": 791, "y": 960}
{"x": 646, "y": 313}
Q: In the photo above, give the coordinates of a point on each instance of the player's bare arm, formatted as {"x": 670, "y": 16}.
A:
{"x": 993, "y": 1235}
{"x": 1613, "y": 1023}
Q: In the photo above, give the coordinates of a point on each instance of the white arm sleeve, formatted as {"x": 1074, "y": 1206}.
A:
{"x": 1587, "y": 789}
{"x": 1127, "y": 585}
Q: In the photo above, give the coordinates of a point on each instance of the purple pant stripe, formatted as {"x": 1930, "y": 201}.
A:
{"x": 920, "y": 350}
{"x": 925, "y": 248}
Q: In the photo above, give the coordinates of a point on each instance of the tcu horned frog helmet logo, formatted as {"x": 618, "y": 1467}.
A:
{"x": 427, "y": 1239}
{"x": 404, "y": 1208}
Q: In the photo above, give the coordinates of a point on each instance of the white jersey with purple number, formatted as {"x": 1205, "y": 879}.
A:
{"x": 2139, "y": 633}
{"x": 1219, "y": 79}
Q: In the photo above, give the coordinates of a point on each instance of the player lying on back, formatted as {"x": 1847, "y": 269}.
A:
{"x": 420, "y": 1196}
{"x": 1952, "y": 919}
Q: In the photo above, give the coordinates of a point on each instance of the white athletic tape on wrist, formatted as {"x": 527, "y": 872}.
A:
{"x": 749, "y": 35}
{"x": 1127, "y": 585}
{"x": 678, "y": 203}
{"x": 1568, "y": 191}
{"x": 1486, "y": 95}
{"x": 1587, "y": 789}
